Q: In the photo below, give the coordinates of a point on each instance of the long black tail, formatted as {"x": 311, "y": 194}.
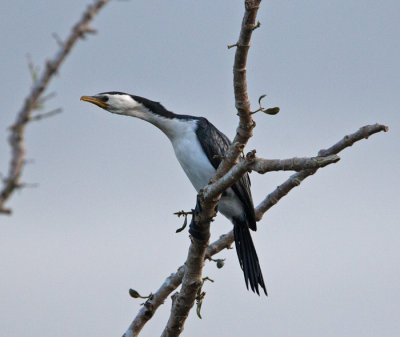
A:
{"x": 248, "y": 258}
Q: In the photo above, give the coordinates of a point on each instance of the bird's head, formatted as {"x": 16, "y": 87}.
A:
{"x": 116, "y": 102}
{"x": 129, "y": 105}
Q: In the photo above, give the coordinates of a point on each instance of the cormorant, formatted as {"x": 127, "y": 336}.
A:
{"x": 199, "y": 147}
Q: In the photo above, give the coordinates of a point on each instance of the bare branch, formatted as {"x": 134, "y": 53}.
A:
{"x": 245, "y": 129}
{"x": 17, "y": 130}
{"x": 225, "y": 241}
{"x": 363, "y": 133}
{"x": 297, "y": 178}
{"x": 151, "y": 305}
{"x": 170, "y": 284}
{"x": 260, "y": 165}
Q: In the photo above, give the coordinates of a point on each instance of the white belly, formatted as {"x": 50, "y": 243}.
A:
{"x": 230, "y": 205}
{"x": 199, "y": 170}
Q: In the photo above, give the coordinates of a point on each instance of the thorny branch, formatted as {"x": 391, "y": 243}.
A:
{"x": 12, "y": 181}
{"x": 226, "y": 240}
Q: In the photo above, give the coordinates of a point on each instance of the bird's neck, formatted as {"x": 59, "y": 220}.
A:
{"x": 172, "y": 125}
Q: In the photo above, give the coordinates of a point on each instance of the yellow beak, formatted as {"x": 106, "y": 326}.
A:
{"x": 95, "y": 100}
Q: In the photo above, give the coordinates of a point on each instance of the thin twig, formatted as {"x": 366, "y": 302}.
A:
{"x": 46, "y": 115}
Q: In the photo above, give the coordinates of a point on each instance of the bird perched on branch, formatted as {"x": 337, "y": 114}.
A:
{"x": 199, "y": 147}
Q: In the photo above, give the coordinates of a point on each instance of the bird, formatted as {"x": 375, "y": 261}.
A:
{"x": 199, "y": 147}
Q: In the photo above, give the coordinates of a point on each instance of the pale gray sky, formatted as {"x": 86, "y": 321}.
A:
{"x": 101, "y": 220}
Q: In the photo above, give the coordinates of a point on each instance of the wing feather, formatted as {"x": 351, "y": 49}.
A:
{"x": 215, "y": 144}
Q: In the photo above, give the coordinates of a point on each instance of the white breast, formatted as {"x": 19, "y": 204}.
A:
{"x": 191, "y": 156}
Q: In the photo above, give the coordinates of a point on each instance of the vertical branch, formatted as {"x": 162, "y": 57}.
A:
{"x": 245, "y": 128}
{"x": 206, "y": 206}
{"x": 17, "y": 131}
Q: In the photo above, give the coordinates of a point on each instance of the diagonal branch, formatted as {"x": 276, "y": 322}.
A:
{"x": 226, "y": 240}
{"x": 151, "y": 305}
{"x": 184, "y": 300}
{"x": 170, "y": 284}
{"x": 17, "y": 130}
{"x": 297, "y": 178}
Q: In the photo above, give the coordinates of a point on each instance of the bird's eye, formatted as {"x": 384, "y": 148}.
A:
{"x": 104, "y": 98}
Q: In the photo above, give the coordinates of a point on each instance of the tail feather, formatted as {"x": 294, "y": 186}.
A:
{"x": 248, "y": 258}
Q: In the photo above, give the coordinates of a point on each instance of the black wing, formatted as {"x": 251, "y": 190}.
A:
{"x": 215, "y": 144}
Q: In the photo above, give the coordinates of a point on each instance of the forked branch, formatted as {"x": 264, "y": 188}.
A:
{"x": 297, "y": 178}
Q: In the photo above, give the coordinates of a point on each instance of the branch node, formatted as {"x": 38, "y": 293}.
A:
{"x": 232, "y": 45}
{"x": 84, "y": 29}
{"x": 258, "y": 25}
{"x": 241, "y": 70}
{"x": 200, "y": 296}
{"x": 34, "y": 70}
{"x": 251, "y": 156}
{"x": 174, "y": 297}
{"x": 51, "y": 67}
